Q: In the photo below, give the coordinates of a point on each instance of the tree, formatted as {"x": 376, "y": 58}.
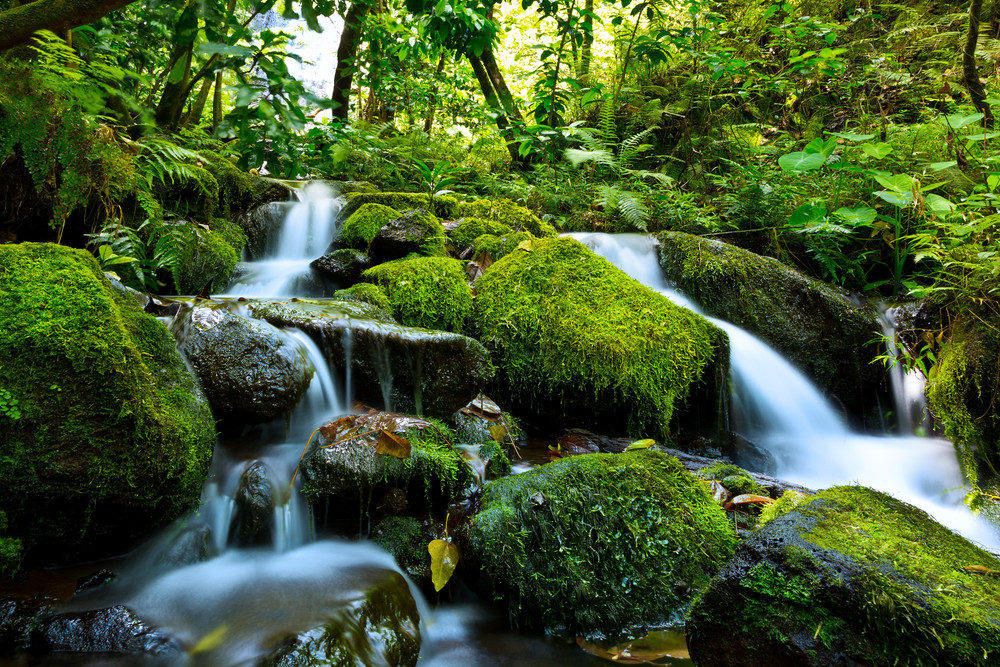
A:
{"x": 347, "y": 52}
{"x": 969, "y": 70}
{"x": 19, "y": 23}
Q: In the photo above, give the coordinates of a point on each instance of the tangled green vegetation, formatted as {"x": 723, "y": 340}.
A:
{"x": 600, "y": 543}
{"x": 428, "y": 292}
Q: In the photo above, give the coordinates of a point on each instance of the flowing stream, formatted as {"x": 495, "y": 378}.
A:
{"x": 777, "y": 407}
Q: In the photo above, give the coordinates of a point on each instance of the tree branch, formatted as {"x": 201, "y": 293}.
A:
{"x": 18, "y": 24}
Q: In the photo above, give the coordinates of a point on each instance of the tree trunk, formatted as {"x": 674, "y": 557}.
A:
{"x": 217, "y": 102}
{"x": 429, "y": 118}
{"x": 20, "y": 22}
{"x": 969, "y": 70}
{"x": 175, "y": 93}
{"x": 347, "y": 51}
{"x": 193, "y": 117}
{"x": 500, "y": 86}
{"x": 494, "y": 103}
{"x": 588, "y": 42}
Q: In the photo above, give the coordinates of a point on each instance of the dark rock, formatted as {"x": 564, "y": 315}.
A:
{"x": 110, "y": 630}
{"x": 251, "y": 373}
{"x": 192, "y": 546}
{"x": 406, "y": 538}
{"x": 254, "y": 505}
{"x": 261, "y": 226}
{"x": 850, "y": 577}
{"x": 343, "y": 266}
{"x": 266, "y": 190}
{"x": 775, "y": 487}
{"x": 402, "y": 368}
{"x": 415, "y": 231}
{"x": 829, "y": 334}
{"x": 95, "y": 580}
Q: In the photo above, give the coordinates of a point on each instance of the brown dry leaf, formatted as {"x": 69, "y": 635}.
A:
{"x": 444, "y": 560}
{"x": 391, "y": 444}
{"x": 981, "y": 569}
{"x": 748, "y": 499}
{"x": 483, "y": 407}
{"x": 330, "y": 431}
{"x": 720, "y": 494}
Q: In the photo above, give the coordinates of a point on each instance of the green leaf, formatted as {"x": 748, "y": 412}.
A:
{"x": 940, "y": 166}
{"x": 850, "y": 136}
{"x": 856, "y": 217}
{"x": 877, "y": 151}
{"x": 444, "y": 560}
{"x": 982, "y": 136}
{"x": 957, "y": 121}
{"x": 825, "y": 148}
{"x": 808, "y": 214}
{"x": 900, "y": 183}
{"x": 214, "y": 49}
{"x": 801, "y": 161}
{"x": 895, "y": 198}
{"x": 640, "y": 444}
{"x": 939, "y": 206}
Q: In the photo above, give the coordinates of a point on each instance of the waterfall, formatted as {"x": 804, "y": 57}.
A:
{"x": 777, "y": 407}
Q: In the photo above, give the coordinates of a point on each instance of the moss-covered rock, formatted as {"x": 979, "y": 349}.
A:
{"x": 736, "y": 480}
{"x": 361, "y": 226}
{"x": 249, "y": 371}
{"x": 406, "y": 538}
{"x": 236, "y": 188}
{"x": 413, "y": 232}
{"x": 851, "y": 577}
{"x": 343, "y": 266}
{"x": 266, "y": 190}
{"x": 428, "y": 292}
{"x": 505, "y": 211}
{"x": 469, "y": 229}
{"x": 825, "y": 333}
{"x": 498, "y": 246}
{"x": 574, "y": 336}
{"x": 599, "y": 544}
{"x": 443, "y": 206}
{"x": 366, "y": 293}
{"x": 963, "y": 392}
{"x": 208, "y": 257}
{"x": 402, "y": 368}
{"x": 112, "y": 435}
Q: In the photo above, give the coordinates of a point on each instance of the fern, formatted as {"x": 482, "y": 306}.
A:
{"x": 634, "y": 210}
{"x": 162, "y": 160}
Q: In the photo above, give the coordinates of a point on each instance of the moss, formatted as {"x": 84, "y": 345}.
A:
{"x": 209, "y": 258}
{"x": 404, "y": 538}
{"x": 236, "y": 189}
{"x": 506, "y": 212}
{"x": 788, "y": 501}
{"x": 361, "y": 227}
{"x": 737, "y": 480}
{"x": 599, "y": 543}
{"x": 494, "y": 454}
{"x": 444, "y": 207}
{"x": 470, "y": 228}
{"x": 11, "y": 550}
{"x": 498, "y": 246}
{"x": 365, "y": 293}
{"x": 114, "y": 436}
{"x": 570, "y": 331}
{"x": 428, "y": 292}
{"x": 195, "y": 194}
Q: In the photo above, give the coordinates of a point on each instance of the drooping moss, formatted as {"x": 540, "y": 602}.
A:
{"x": 113, "y": 436}
{"x": 442, "y": 206}
{"x": 572, "y": 334}
{"x": 508, "y": 213}
{"x": 851, "y": 577}
{"x": 428, "y": 292}
{"x": 599, "y": 544}
{"x": 365, "y": 293}
{"x": 498, "y": 246}
{"x": 470, "y": 229}
{"x": 363, "y": 224}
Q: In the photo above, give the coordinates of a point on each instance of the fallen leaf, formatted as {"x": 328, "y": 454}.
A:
{"x": 212, "y": 640}
{"x": 720, "y": 494}
{"x": 641, "y": 444}
{"x": 391, "y": 444}
{"x": 498, "y": 432}
{"x": 444, "y": 560}
{"x": 748, "y": 499}
{"x": 980, "y": 569}
{"x": 483, "y": 407}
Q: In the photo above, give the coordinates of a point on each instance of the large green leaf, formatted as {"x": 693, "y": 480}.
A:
{"x": 856, "y": 217}
{"x": 877, "y": 151}
{"x": 958, "y": 120}
{"x": 801, "y": 161}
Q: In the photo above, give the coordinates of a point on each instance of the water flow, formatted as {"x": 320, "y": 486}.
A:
{"x": 907, "y": 385}
{"x": 781, "y": 410}
{"x": 306, "y": 233}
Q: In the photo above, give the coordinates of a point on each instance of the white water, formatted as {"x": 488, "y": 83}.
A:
{"x": 308, "y": 230}
{"x": 777, "y": 407}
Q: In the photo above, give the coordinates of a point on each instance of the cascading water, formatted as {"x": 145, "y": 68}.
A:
{"x": 778, "y": 408}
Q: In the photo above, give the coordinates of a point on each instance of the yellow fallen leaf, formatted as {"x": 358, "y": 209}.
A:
{"x": 444, "y": 560}
{"x": 391, "y": 444}
{"x": 498, "y": 432}
{"x": 212, "y": 640}
{"x": 641, "y": 444}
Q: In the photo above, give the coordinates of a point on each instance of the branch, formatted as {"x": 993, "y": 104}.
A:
{"x": 18, "y": 24}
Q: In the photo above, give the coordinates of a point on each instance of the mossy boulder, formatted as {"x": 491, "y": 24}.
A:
{"x": 208, "y": 256}
{"x": 236, "y": 188}
{"x": 963, "y": 392}
{"x": 498, "y": 246}
{"x": 400, "y": 368}
{"x": 823, "y": 330}
{"x": 261, "y": 225}
{"x": 508, "y": 213}
{"x": 428, "y": 292}
{"x": 360, "y": 227}
{"x": 250, "y": 372}
{"x": 406, "y": 538}
{"x": 112, "y": 436}
{"x": 598, "y": 544}
{"x": 469, "y": 229}
{"x": 851, "y": 576}
{"x": 414, "y": 232}
{"x": 366, "y": 293}
{"x": 343, "y": 266}
{"x": 442, "y": 206}
{"x": 576, "y": 338}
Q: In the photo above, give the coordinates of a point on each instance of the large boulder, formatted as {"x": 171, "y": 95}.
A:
{"x": 429, "y": 292}
{"x": 250, "y": 371}
{"x": 824, "y": 331}
{"x": 851, "y": 577}
{"x": 414, "y": 232}
{"x": 104, "y": 432}
{"x": 576, "y": 338}
{"x": 343, "y": 266}
{"x": 442, "y": 206}
{"x": 400, "y": 368}
{"x": 598, "y": 544}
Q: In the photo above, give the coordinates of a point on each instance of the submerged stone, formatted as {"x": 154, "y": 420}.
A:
{"x": 105, "y": 432}
{"x": 851, "y": 576}
{"x": 819, "y": 327}
{"x": 249, "y": 370}
{"x": 255, "y": 504}
{"x": 598, "y": 544}
{"x": 400, "y": 368}
{"x": 576, "y": 338}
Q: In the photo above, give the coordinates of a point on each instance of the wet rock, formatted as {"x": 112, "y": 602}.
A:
{"x": 111, "y": 630}
{"x": 261, "y": 226}
{"x": 402, "y": 368}
{"x": 415, "y": 231}
{"x": 382, "y": 628}
{"x": 192, "y": 546}
{"x": 850, "y": 577}
{"x": 574, "y": 338}
{"x": 826, "y": 332}
{"x": 595, "y": 544}
{"x": 254, "y": 505}
{"x": 112, "y": 436}
{"x": 775, "y": 487}
{"x": 406, "y": 538}
{"x": 343, "y": 266}
{"x": 251, "y": 373}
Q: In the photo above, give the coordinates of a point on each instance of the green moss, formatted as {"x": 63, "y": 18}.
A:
{"x": 788, "y": 501}
{"x": 494, "y": 454}
{"x": 508, "y": 213}
{"x": 209, "y": 257}
{"x": 236, "y": 189}
{"x": 114, "y": 435}
{"x": 599, "y": 543}
{"x": 10, "y": 550}
{"x": 443, "y": 206}
{"x": 498, "y": 246}
{"x": 470, "y": 228}
{"x": 361, "y": 227}
{"x": 564, "y": 326}
{"x": 194, "y": 194}
{"x": 737, "y": 480}
{"x": 404, "y": 538}
{"x": 365, "y": 293}
{"x": 428, "y": 292}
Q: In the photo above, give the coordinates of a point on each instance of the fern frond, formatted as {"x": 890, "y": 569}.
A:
{"x": 607, "y": 197}
{"x": 633, "y": 147}
{"x": 577, "y": 157}
{"x": 634, "y": 210}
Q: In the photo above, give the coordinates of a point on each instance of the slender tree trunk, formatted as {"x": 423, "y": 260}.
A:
{"x": 217, "y": 102}
{"x": 494, "y": 103}
{"x": 429, "y": 118}
{"x": 193, "y": 117}
{"x": 500, "y": 87}
{"x": 175, "y": 93}
{"x": 347, "y": 51}
{"x": 588, "y": 42}
{"x": 969, "y": 70}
